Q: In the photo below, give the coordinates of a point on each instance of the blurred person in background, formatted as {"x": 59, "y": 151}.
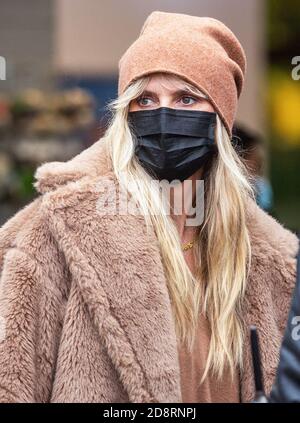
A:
{"x": 252, "y": 150}
{"x": 98, "y": 305}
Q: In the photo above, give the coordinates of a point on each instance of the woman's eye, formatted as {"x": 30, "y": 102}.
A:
{"x": 142, "y": 101}
{"x": 188, "y": 98}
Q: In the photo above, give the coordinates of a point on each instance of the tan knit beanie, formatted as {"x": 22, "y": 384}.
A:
{"x": 201, "y": 50}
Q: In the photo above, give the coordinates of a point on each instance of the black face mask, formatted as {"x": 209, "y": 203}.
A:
{"x": 173, "y": 143}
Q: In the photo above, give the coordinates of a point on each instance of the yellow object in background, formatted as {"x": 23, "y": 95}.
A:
{"x": 285, "y": 109}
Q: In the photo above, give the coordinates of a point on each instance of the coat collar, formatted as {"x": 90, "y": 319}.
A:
{"x": 117, "y": 267}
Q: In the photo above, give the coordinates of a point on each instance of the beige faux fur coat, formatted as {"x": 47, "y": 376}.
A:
{"x": 85, "y": 314}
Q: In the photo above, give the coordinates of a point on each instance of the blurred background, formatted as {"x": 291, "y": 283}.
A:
{"x": 59, "y": 68}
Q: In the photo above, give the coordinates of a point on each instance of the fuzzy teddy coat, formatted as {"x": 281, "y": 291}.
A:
{"x": 85, "y": 314}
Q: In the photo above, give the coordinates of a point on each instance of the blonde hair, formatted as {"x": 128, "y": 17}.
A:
{"x": 222, "y": 250}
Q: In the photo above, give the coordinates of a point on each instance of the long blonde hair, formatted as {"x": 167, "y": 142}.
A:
{"x": 223, "y": 251}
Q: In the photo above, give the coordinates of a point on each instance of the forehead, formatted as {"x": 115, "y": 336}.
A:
{"x": 165, "y": 81}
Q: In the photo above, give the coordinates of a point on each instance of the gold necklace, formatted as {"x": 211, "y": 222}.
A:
{"x": 188, "y": 245}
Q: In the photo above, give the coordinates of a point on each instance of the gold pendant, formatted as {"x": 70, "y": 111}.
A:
{"x": 188, "y": 245}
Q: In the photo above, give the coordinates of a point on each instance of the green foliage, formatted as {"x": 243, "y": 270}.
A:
{"x": 24, "y": 188}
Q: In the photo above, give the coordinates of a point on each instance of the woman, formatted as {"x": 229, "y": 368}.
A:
{"x": 99, "y": 304}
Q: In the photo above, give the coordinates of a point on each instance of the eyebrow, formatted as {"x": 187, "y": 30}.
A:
{"x": 175, "y": 94}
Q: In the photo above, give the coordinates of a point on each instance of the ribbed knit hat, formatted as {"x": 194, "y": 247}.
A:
{"x": 201, "y": 50}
